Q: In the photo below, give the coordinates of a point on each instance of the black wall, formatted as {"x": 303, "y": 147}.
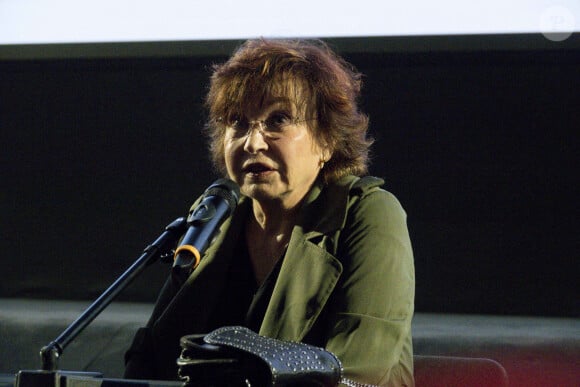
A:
{"x": 99, "y": 155}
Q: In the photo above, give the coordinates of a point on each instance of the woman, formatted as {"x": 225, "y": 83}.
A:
{"x": 312, "y": 253}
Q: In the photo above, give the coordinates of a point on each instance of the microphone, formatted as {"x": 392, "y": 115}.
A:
{"x": 219, "y": 200}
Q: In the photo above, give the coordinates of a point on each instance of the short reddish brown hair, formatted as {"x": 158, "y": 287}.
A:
{"x": 326, "y": 90}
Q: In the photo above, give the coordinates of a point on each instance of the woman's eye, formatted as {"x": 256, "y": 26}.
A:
{"x": 277, "y": 121}
{"x": 239, "y": 124}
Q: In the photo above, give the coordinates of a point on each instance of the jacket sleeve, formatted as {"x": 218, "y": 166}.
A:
{"x": 373, "y": 306}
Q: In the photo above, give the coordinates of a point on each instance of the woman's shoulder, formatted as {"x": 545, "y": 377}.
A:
{"x": 331, "y": 205}
{"x": 360, "y": 188}
{"x": 370, "y": 198}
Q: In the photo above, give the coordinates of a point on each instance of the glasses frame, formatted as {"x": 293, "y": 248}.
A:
{"x": 262, "y": 126}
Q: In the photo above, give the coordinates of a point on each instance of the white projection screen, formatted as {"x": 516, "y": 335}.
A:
{"x": 62, "y": 22}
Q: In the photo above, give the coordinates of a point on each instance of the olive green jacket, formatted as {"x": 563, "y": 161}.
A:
{"x": 346, "y": 283}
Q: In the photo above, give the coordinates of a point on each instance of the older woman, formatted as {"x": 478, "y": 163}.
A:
{"x": 313, "y": 253}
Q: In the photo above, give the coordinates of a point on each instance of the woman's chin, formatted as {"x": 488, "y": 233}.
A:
{"x": 258, "y": 190}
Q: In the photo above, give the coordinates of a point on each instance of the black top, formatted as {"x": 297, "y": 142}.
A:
{"x": 243, "y": 301}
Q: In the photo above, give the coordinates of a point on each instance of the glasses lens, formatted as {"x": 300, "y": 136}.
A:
{"x": 277, "y": 122}
{"x": 272, "y": 127}
{"x": 239, "y": 124}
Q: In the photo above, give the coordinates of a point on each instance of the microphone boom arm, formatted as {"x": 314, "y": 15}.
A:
{"x": 50, "y": 354}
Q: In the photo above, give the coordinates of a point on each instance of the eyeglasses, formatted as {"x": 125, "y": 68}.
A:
{"x": 273, "y": 127}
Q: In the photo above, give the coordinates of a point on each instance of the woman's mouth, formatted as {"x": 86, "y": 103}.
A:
{"x": 257, "y": 169}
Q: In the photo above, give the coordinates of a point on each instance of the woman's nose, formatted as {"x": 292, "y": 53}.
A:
{"x": 255, "y": 140}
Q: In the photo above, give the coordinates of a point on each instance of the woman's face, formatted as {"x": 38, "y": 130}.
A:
{"x": 271, "y": 153}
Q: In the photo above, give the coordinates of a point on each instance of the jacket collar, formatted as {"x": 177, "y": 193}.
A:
{"x": 325, "y": 207}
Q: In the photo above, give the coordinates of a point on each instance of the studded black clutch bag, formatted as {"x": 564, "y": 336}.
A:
{"x": 237, "y": 356}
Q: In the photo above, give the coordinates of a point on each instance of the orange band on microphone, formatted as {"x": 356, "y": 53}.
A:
{"x": 190, "y": 249}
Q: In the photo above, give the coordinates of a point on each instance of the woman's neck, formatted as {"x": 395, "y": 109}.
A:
{"x": 267, "y": 234}
{"x": 272, "y": 220}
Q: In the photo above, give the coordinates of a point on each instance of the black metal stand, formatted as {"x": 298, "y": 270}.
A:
{"x": 51, "y": 353}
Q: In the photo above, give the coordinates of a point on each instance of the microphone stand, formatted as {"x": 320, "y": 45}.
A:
{"x": 51, "y": 353}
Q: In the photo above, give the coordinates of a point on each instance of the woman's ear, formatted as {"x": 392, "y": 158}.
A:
{"x": 326, "y": 153}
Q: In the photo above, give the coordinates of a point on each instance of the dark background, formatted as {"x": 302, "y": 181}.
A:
{"x": 480, "y": 145}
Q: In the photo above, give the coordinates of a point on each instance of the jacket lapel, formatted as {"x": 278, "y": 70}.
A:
{"x": 309, "y": 272}
{"x": 307, "y": 277}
